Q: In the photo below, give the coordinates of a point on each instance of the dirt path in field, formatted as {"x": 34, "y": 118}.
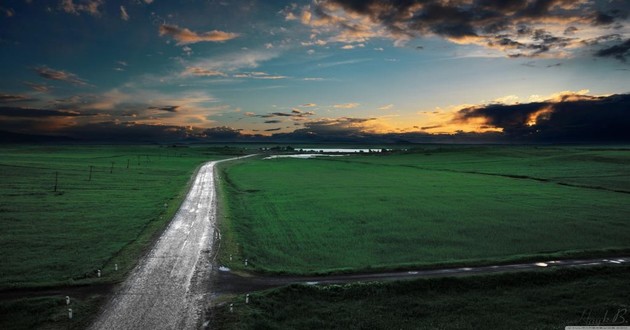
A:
{"x": 227, "y": 282}
{"x": 167, "y": 289}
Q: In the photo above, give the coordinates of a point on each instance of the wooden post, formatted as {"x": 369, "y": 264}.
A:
{"x": 247, "y": 298}
{"x": 116, "y": 267}
{"x": 70, "y": 313}
{"x": 67, "y": 300}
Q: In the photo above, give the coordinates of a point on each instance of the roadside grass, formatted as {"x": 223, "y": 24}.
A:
{"x": 48, "y": 312}
{"x": 548, "y": 299}
{"x": 60, "y": 239}
{"x": 431, "y": 206}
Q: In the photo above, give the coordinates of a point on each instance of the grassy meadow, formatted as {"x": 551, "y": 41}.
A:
{"x": 548, "y": 299}
{"x": 61, "y": 238}
{"x": 428, "y": 206}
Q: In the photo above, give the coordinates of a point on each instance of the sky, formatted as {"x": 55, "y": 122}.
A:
{"x": 341, "y": 70}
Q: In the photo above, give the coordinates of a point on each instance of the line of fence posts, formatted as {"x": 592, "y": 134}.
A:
{"x": 111, "y": 169}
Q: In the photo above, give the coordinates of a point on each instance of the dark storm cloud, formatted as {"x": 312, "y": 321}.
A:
{"x": 339, "y": 129}
{"x": 168, "y": 108}
{"x": 223, "y": 133}
{"x": 570, "y": 30}
{"x": 602, "y": 39}
{"x": 117, "y": 132}
{"x": 619, "y": 51}
{"x": 295, "y": 114}
{"x": 125, "y": 132}
{"x": 570, "y": 118}
{"x": 493, "y": 23}
{"x": 9, "y": 98}
{"x": 35, "y": 113}
{"x": 282, "y": 114}
{"x": 429, "y": 127}
{"x": 272, "y": 129}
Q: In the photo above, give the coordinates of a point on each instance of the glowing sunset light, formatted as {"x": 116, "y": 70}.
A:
{"x": 334, "y": 70}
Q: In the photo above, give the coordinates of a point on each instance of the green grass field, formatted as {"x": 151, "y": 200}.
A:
{"x": 437, "y": 205}
{"x": 550, "y": 299}
{"x": 62, "y": 238}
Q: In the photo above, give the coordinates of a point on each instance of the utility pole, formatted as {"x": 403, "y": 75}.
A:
{"x": 90, "y": 178}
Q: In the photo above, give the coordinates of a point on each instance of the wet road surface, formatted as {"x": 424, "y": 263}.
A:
{"x": 168, "y": 287}
{"x": 227, "y": 282}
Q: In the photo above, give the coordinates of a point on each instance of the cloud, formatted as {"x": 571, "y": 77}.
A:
{"x": 331, "y": 129}
{"x": 272, "y": 129}
{"x": 274, "y": 121}
{"x": 38, "y": 87}
{"x": 352, "y": 46}
{"x": 618, "y": 51}
{"x": 308, "y": 105}
{"x": 246, "y": 59}
{"x": 184, "y": 36}
{"x": 517, "y": 28}
{"x": 127, "y": 131}
{"x": 295, "y": 114}
{"x": 35, "y": 113}
{"x": 89, "y": 6}
{"x": 346, "y": 105}
{"x": 387, "y": 107}
{"x": 571, "y": 117}
{"x": 258, "y": 75}
{"x": 123, "y": 14}
{"x": 10, "y": 98}
{"x": 8, "y": 12}
{"x": 168, "y": 108}
{"x": 48, "y": 73}
{"x": 224, "y": 133}
{"x": 197, "y": 71}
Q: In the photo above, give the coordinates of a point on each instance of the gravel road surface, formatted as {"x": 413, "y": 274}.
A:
{"x": 168, "y": 287}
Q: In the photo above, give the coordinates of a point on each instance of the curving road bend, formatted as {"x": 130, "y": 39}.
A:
{"x": 167, "y": 289}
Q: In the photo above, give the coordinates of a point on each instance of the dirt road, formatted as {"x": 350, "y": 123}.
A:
{"x": 227, "y": 282}
{"x": 168, "y": 287}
